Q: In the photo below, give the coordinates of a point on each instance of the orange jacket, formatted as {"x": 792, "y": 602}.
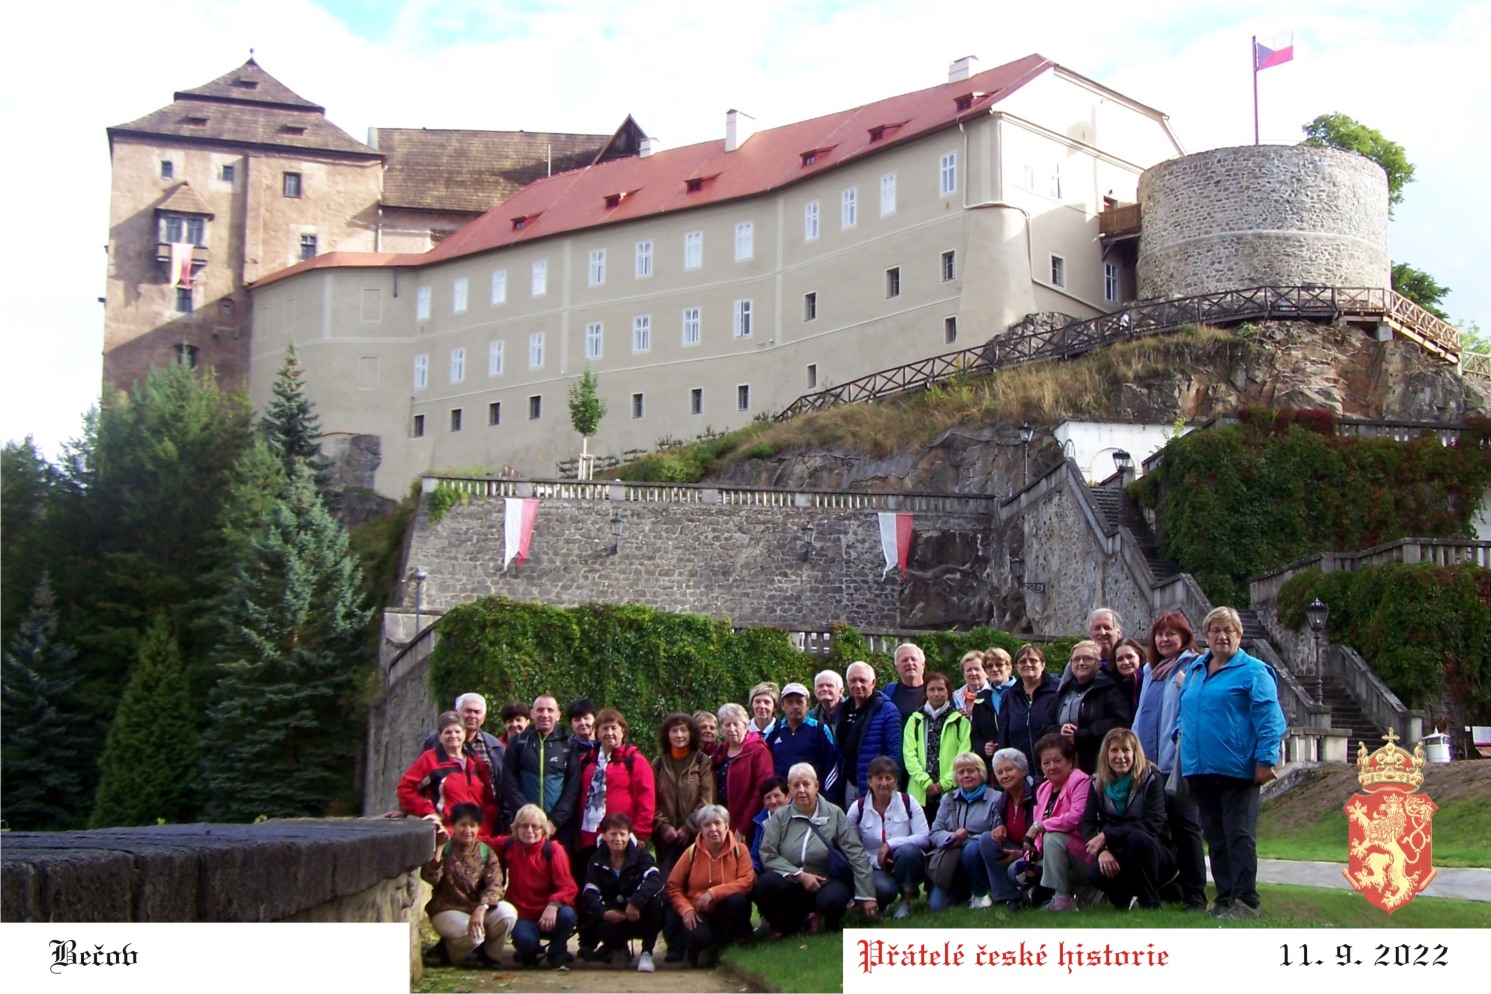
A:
{"x": 696, "y": 872}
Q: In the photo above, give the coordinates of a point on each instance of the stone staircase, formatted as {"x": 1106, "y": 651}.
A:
{"x": 1347, "y": 713}
{"x": 1120, "y": 510}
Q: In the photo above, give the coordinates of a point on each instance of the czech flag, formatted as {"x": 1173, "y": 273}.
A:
{"x": 1278, "y": 51}
{"x": 895, "y": 540}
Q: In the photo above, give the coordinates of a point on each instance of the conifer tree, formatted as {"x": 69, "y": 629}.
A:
{"x": 41, "y": 756}
{"x": 150, "y": 759}
{"x": 292, "y": 428}
{"x": 281, "y": 736}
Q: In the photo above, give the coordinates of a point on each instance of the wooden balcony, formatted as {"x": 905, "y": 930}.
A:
{"x": 1118, "y": 222}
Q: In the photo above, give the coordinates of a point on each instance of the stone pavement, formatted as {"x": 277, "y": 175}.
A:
{"x": 1465, "y": 883}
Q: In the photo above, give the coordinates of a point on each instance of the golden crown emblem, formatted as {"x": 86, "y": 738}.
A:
{"x": 1390, "y": 767}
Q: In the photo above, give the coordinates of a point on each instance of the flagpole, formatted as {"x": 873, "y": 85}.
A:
{"x": 1255, "y": 89}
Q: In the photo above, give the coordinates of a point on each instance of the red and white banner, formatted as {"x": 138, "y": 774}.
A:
{"x": 181, "y": 264}
{"x": 517, "y": 529}
{"x": 895, "y": 540}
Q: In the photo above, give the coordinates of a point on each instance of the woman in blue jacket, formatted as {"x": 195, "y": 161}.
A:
{"x": 1028, "y": 707}
{"x": 1230, "y": 728}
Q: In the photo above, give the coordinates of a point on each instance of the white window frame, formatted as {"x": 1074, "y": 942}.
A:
{"x": 1055, "y": 190}
{"x": 597, "y": 267}
{"x": 947, "y": 265}
{"x": 892, "y": 282}
{"x": 745, "y": 241}
{"x": 499, "y": 287}
{"x": 696, "y": 400}
{"x": 421, "y": 371}
{"x": 535, "y": 406}
{"x": 639, "y": 406}
{"x": 949, "y": 329}
{"x": 810, "y": 306}
{"x": 849, "y": 207}
{"x": 742, "y": 396}
{"x": 693, "y": 250}
{"x": 1058, "y": 270}
{"x": 536, "y": 350}
{"x": 810, "y": 226}
{"x": 947, "y": 174}
{"x": 494, "y": 357}
{"x": 422, "y": 304}
{"x": 644, "y": 259}
{"x": 812, "y": 376}
{"x": 692, "y": 325}
{"x": 459, "y": 291}
{"x": 1111, "y": 283}
{"x": 642, "y": 333}
{"x": 594, "y": 336}
{"x": 740, "y": 322}
{"x": 457, "y": 365}
{"x": 540, "y": 282}
{"x": 887, "y": 194}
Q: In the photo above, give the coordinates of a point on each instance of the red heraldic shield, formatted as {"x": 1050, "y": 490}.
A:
{"x": 1390, "y": 827}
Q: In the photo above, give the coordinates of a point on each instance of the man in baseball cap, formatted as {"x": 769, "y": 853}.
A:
{"x": 796, "y": 738}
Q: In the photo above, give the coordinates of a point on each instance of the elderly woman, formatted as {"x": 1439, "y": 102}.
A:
{"x": 1014, "y": 813}
{"x": 764, "y": 698}
{"x": 796, "y": 853}
{"x": 1230, "y": 728}
{"x": 709, "y": 731}
{"x": 623, "y": 894}
{"x": 957, "y": 869}
{"x": 684, "y": 783}
{"x": 540, "y": 886}
{"x": 445, "y": 776}
{"x": 1060, "y": 803}
{"x": 1124, "y": 825}
{"x": 1029, "y": 706}
{"x": 615, "y": 777}
{"x": 1088, "y": 705}
{"x": 932, "y": 737}
{"x": 742, "y": 763}
{"x": 893, "y": 829}
{"x": 709, "y": 889}
{"x": 975, "y": 678}
{"x": 466, "y": 905}
{"x": 1169, "y": 653}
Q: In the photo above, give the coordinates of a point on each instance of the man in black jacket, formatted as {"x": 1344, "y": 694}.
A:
{"x": 542, "y": 767}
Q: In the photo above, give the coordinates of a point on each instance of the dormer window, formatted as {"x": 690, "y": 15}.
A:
{"x": 196, "y": 122}
{"x": 246, "y": 84}
{"x": 615, "y": 199}
{"x": 292, "y": 129}
{"x": 967, "y": 100}
{"x": 524, "y": 220}
{"x": 879, "y": 131}
{"x": 697, "y": 183}
{"x": 811, "y": 157}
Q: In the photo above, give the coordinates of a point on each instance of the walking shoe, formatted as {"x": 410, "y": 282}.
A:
{"x": 981, "y": 902}
{"x": 1220, "y": 908}
{"x": 1241, "y": 911}
{"x": 903, "y": 910}
{"x": 1061, "y": 903}
{"x": 1133, "y": 902}
{"x": 645, "y": 964}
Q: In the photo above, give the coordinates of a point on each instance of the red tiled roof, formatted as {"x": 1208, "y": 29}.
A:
{"x": 333, "y": 260}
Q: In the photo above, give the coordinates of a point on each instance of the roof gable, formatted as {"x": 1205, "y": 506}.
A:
{"x": 250, "y": 84}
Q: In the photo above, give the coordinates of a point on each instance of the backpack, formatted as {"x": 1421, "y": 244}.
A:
{"x": 481, "y": 847}
{"x": 507, "y": 848}
{"x": 905, "y": 799}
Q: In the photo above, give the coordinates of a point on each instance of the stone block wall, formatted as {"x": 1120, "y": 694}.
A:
{"x": 1279, "y": 215}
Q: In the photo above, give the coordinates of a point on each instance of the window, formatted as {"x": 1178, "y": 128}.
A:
{"x": 494, "y": 358}
{"x": 593, "y": 340}
{"x": 290, "y": 185}
{"x": 848, "y": 208}
{"x": 457, "y": 365}
{"x": 812, "y": 375}
{"x": 183, "y": 300}
{"x": 499, "y": 287}
{"x": 187, "y": 355}
{"x": 540, "y": 278}
{"x": 1110, "y": 283}
{"x": 810, "y": 220}
{"x": 887, "y": 194}
{"x": 421, "y": 371}
{"x": 949, "y": 330}
{"x": 636, "y": 406}
{"x": 535, "y": 350}
{"x": 597, "y": 267}
{"x": 535, "y": 407}
{"x": 458, "y": 294}
{"x": 182, "y": 228}
{"x": 947, "y": 174}
{"x": 1056, "y": 180}
{"x": 494, "y": 413}
{"x": 691, "y": 326}
{"x": 228, "y": 174}
{"x": 893, "y": 281}
{"x": 743, "y": 397}
{"x": 167, "y": 169}
{"x": 745, "y": 237}
{"x": 949, "y": 266}
{"x": 741, "y": 324}
{"x": 455, "y": 420}
{"x": 696, "y": 400}
{"x": 1058, "y": 271}
{"x": 693, "y": 250}
{"x": 418, "y": 429}
{"x": 422, "y": 304}
{"x": 307, "y": 246}
{"x": 642, "y": 333}
{"x": 809, "y": 306}
{"x": 644, "y": 259}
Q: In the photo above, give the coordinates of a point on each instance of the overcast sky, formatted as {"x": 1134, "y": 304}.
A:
{"x": 1413, "y": 70}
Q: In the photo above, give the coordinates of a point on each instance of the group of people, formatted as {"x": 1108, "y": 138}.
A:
{"x": 1022, "y": 786}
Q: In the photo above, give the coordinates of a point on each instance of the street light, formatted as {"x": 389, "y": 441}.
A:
{"x": 1017, "y": 573}
{"x": 615, "y": 532}
{"x": 1026, "y": 434}
{"x": 1316, "y": 612}
{"x": 807, "y": 541}
{"x": 419, "y": 593}
{"x": 1124, "y": 463}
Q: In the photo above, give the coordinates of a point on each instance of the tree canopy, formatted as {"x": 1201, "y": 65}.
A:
{"x": 1343, "y": 132}
{"x": 1421, "y": 288}
{"x": 585, "y": 405}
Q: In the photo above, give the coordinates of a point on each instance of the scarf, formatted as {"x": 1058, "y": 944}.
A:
{"x": 1160, "y": 672}
{"x": 678, "y": 753}
{"x": 1118, "y": 792}
{"x": 970, "y": 796}
{"x": 935, "y": 720}
{"x": 595, "y": 803}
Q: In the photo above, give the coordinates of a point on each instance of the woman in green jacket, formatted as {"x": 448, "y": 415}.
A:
{"x": 934, "y": 734}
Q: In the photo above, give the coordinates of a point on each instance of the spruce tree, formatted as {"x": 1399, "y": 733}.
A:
{"x": 41, "y": 757}
{"x": 282, "y": 734}
{"x": 292, "y": 428}
{"x": 150, "y": 758}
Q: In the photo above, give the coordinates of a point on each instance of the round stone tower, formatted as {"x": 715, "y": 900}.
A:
{"x": 1262, "y": 215}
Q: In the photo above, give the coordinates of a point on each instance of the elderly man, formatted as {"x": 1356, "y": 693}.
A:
{"x": 909, "y": 693}
{"x": 869, "y": 726}
{"x": 1105, "y": 627}
{"x": 542, "y": 767}
{"x": 484, "y": 746}
{"x": 797, "y": 738}
{"x": 828, "y": 688}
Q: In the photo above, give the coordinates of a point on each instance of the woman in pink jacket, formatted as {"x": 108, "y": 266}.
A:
{"x": 1060, "y": 802}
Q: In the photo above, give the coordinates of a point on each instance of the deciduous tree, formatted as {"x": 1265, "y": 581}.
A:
{"x": 1343, "y": 132}
{"x": 1421, "y": 288}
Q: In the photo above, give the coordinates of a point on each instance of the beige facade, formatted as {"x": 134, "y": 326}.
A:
{"x": 466, "y": 363}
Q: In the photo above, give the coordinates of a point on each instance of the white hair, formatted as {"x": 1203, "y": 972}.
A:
{"x": 801, "y": 769}
{"x": 472, "y": 697}
{"x": 1117, "y": 618}
{"x": 732, "y": 712}
{"x": 832, "y": 675}
{"x": 1012, "y": 756}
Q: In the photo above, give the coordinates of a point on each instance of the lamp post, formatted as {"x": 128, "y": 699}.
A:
{"x": 615, "y": 532}
{"x": 1317, "y": 611}
{"x": 1026, "y": 434}
{"x": 419, "y": 595}
{"x": 807, "y": 541}
{"x": 1124, "y": 463}
{"x": 1017, "y": 573}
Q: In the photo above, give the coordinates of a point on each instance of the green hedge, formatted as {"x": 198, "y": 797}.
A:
{"x": 1237, "y": 501}
{"x": 1425, "y": 629}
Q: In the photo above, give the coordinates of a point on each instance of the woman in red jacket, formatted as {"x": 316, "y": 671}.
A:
{"x": 616, "y": 778}
{"x": 540, "y": 886}
{"x": 741, "y": 766}
{"x": 445, "y": 776}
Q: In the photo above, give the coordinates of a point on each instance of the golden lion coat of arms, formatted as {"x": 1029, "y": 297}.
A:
{"x": 1390, "y": 827}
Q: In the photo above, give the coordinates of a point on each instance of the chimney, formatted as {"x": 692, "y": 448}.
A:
{"x": 645, "y": 147}
{"x": 962, "y": 69}
{"x": 738, "y": 128}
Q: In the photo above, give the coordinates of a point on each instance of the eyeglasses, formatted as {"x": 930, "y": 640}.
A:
{"x": 1085, "y": 659}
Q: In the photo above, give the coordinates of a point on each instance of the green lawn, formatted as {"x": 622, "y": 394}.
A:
{"x": 1462, "y": 835}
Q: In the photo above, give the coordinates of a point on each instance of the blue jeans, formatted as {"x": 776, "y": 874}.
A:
{"x": 907, "y": 870}
{"x": 974, "y": 877}
{"x": 1002, "y": 884}
{"x": 527, "y": 938}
